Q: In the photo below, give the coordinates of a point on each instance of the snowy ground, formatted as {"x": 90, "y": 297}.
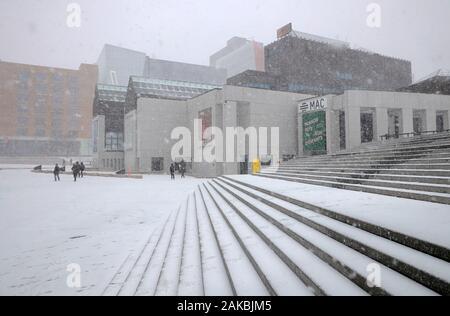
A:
{"x": 95, "y": 223}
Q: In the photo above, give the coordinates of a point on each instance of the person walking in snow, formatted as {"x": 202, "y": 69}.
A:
{"x": 56, "y": 173}
{"x": 182, "y": 168}
{"x": 82, "y": 168}
{"x": 172, "y": 171}
{"x": 78, "y": 169}
{"x": 75, "y": 171}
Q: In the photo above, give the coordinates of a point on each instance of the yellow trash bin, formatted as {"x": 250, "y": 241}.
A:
{"x": 256, "y": 166}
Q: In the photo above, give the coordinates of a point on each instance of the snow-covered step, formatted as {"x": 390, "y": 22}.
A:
{"x": 128, "y": 277}
{"x": 191, "y": 274}
{"x": 410, "y": 166}
{"x": 216, "y": 276}
{"x": 345, "y": 260}
{"x": 400, "y": 226}
{"x": 402, "y": 149}
{"x": 429, "y": 271}
{"x": 402, "y": 193}
{"x": 149, "y": 279}
{"x": 299, "y": 257}
{"x": 245, "y": 278}
{"x": 394, "y": 171}
{"x": 116, "y": 284}
{"x": 437, "y": 153}
{"x": 277, "y": 276}
{"x": 423, "y": 157}
{"x": 380, "y": 176}
{"x": 422, "y": 151}
{"x": 169, "y": 278}
{"x": 415, "y": 186}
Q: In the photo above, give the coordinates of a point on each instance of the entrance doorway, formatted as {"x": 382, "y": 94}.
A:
{"x": 367, "y": 124}
{"x": 243, "y": 166}
{"x": 442, "y": 121}
{"x": 157, "y": 164}
{"x": 419, "y": 118}
{"x": 342, "y": 135}
{"x": 395, "y": 124}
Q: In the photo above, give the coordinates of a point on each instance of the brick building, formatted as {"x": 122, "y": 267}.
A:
{"x": 45, "y": 111}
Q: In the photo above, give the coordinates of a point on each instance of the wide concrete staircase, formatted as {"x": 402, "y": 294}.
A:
{"x": 232, "y": 237}
{"x": 417, "y": 168}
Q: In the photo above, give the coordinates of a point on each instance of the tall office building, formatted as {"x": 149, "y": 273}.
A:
{"x": 239, "y": 55}
{"x": 306, "y": 63}
{"x": 116, "y": 66}
{"x": 45, "y": 111}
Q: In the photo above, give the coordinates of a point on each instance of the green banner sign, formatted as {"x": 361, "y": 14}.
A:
{"x": 315, "y": 133}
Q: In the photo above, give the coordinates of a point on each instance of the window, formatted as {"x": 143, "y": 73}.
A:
{"x": 114, "y": 141}
{"x": 367, "y": 124}
{"x": 342, "y": 134}
{"x": 113, "y": 75}
{"x": 22, "y": 103}
{"x": 157, "y": 164}
{"x": 344, "y": 75}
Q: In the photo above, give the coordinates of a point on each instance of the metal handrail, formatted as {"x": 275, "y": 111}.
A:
{"x": 412, "y": 134}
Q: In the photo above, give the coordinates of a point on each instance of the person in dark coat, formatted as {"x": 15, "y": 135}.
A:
{"x": 82, "y": 168}
{"x": 78, "y": 169}
{"x": 182, "y": 168}
{"x": 172, "y": 171}
{"x": 56, "y": 172}
{"x": 75, "y": 171}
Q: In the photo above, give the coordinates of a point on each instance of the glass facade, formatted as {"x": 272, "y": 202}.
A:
{"x": 110, "y": 93}
{"x": 169, "y": 88}
{"x": 114, "y": 141}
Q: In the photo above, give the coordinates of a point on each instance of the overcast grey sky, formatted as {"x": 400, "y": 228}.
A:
{"x": 35, "y": 31}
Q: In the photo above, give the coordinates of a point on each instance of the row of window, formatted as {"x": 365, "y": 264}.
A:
{"x": 395, "y": 124}
{"x": 40, "y": 109}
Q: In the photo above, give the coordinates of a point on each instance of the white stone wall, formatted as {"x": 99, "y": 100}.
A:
{"x": 383, "y": 102}
{"x": 156, "y": 118}
{"x": 153, "y": 121}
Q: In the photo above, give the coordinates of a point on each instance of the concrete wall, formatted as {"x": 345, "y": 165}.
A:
{"x": 130, "y": 142}
{"x": 148, "y": 129}
{"x": 213, "y": 100}
{"x": 268, "y": 108}
{"x": 156, "y": 118}
{"x": 353, "y": 102}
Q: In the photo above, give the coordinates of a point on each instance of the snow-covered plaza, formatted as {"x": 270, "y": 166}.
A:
{"x": 95, "y": 223}
{"x": 225, "y": 236}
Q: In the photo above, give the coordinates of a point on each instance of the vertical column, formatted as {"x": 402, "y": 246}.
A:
{"x": 333, "y": 135}
{"x": 447, "y": 120}
{"x": 300, "y": 133}
{"x": 229, "y": 119}
{"x": 354, "y": 127}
